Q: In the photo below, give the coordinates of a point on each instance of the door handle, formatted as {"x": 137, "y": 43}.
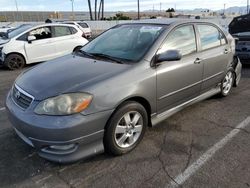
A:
{"x": 197, "y": 61}
{"x": 226, "y": 51}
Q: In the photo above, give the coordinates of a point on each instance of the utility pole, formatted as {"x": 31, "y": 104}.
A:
{"x": 224, "y": 9}
{"x": 160, "y": 6}
{"x": 73, "y": 13}
{"x": 138, "y": 4}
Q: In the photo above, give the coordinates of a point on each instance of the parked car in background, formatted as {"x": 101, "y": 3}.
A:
{"x": 240, "y": 29}
{"x": 29, "y": 44}
{"x": 83, "y": 26}
{"x": 132, "y": 76}
{"x": 4, "y": 30}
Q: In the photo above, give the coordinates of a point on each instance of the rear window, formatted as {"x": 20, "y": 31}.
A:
{"x": 83, "y": 25}
{"x": 60, "y": 31}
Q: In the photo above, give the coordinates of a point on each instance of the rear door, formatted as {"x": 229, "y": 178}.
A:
{"x": 179, "y": 81}
{"x": 41, "y": 49}
{"x": 64, "y": 39}
{"x": 215, "y": 54}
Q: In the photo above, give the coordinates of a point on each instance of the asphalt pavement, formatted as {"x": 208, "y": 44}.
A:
{"x": 204, "y": 145}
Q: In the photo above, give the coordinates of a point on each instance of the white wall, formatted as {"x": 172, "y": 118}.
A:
{"x": 99, "y": 26}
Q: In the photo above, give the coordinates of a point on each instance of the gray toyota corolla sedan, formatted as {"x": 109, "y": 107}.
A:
{"x": 103, "y": 97}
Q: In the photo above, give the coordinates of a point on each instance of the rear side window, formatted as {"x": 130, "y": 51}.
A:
{"x": 182, "y": 39}
{"x": 83, "y": 25}
{"x": 60, "y": 31}
{"x": 210, "y": 37}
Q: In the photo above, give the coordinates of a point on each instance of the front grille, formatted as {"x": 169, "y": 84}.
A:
{"x": 21, "y": 98}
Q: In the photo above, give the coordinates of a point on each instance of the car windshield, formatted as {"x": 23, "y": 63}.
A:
{"x": 18, "y": 31}
{"x": 125, "y": 42}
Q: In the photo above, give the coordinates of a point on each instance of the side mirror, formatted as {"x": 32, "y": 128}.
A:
{"x": 170, "y": 55}
{"x": 31, "y": 38}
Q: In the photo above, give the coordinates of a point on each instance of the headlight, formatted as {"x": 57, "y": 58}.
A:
{"x": 65, "y": 104}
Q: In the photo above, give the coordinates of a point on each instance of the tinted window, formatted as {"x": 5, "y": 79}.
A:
{"x": 182, "y": 39}
{"x": 73, "y": 30}
{"x": 210, "y": 37}
{"x": 61, "y": 31}
{"x": 41, "y": 33}
{"x": 129, "y": 42}
{"x": 83, "y": 25}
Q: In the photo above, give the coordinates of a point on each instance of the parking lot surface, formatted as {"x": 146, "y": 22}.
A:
{"x": 180, "y": 145}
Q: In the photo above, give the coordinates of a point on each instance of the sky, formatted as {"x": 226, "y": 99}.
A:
{"x": 116, "y": 5}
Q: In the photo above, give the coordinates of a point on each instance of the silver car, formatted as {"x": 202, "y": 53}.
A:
{"x": 102, "y": 97}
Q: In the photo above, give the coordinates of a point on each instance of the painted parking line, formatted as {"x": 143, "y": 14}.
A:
{"x": 181, "y": 178}
{"x": 2, "y": 108}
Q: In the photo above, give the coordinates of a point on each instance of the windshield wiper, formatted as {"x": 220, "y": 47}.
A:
{"x": 85, "y": 53}
{"x": 107, "y": 57}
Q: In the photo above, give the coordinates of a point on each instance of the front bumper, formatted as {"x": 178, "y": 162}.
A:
{"x": 80, "y": 136}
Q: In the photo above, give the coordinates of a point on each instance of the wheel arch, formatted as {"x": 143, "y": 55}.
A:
{"x": 11, "y": 53}
{"x": 141, "y": 100}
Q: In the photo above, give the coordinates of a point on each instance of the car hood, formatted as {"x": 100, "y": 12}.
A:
{"x": 70, "y": 73}
{"x": 240, "y": 24}
{"x": 3, "y": 41}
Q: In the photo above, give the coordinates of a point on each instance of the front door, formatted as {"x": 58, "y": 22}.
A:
{"x": 41, "y": 49}
{"x": 179, "y": 81}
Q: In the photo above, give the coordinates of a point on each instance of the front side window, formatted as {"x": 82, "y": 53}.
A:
{"x": 61, "y": 31}
{"x": 210, "y": 37}
{"x": 41, "y": 33}
{"x": 125, "y": 42}
{"x": 182, "y": 39}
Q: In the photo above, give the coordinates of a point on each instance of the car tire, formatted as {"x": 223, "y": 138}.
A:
{"x": 227, "y": 83}
{"x": 126, "y": 128}
{"x": 14, "y": 62}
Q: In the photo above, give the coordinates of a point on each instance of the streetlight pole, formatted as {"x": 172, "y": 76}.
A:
{"x": 138, "y": 4}
{"x": 16, "y": 5}
{"x": 247, "y": 6}
{"x": 73, "y": 13}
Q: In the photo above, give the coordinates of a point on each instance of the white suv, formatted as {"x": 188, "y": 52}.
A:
{"x": 40, "y": 43}
{"x": 83, "y": 26}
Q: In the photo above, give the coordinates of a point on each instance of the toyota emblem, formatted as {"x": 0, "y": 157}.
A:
{"x": 17, "y": 95}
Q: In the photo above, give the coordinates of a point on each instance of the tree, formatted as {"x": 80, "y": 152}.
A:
{"x": 100, "y": 10}
{"x": 170, "y": 10}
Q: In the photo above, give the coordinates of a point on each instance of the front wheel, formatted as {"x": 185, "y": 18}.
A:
{"x": 227, "y": 83}
{"x": 126, "y": 128}
{"x": 14, "y": 62}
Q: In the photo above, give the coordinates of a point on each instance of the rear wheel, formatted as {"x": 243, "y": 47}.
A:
{"x": 14, "y": 62}
{"x": 227, "y": 83}
{"x": 126, "y": 128}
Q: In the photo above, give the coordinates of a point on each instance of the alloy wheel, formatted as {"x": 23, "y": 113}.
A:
{"x": 128, "y": 129}
{"x": 227, "y": 82}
